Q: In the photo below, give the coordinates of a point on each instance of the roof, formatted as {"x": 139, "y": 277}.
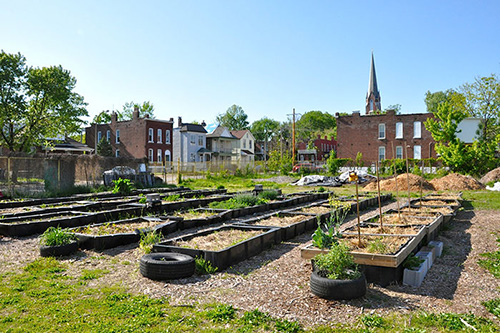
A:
{"x": 372, "y": 84}
{"x": 67, "y": 144}
{"x": 221, "y": 132}
{"x": 204, "y": 150}
{"x": 247, "y": 152}
{"x": 239, "y": 134}
{"x": 187, "y": 127}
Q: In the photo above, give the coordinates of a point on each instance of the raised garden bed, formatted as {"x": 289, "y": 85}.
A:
{"x": 447, "y": 212}
{"x": 203, "y": 243}
{"x": 200, "y": 217}
{"x": 112, "y": 234}
{"x": 291, "y": 224}
{"x": 36, "y": 224}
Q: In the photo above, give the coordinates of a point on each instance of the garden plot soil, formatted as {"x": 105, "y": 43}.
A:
{"x": 195, "y": 214}
{"x": 402, "y": 184}
{"x": 218, "y": 240}
{"x": 281, "y": 221}
{"x": 403, "y": 219}
{"x": 427, "y": 211}
{"x": 277, "y": 280}
{"x": 316, "y": 210}
{"x": 456, "y": 182}
{"x": 107, "y": 229}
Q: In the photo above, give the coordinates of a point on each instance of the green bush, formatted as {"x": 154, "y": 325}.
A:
{"x": 268, "y": 195}
{"x": 337, "y": 264}
{"x": 122, "y": 186}
{"x": 204, "y": 267}
{"x": 56, "y": 237}
{"x": 148, "y": 239}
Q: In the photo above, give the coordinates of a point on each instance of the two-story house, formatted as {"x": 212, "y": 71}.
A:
{"x": 221, "y": 142}
{"x": 190, "y": 142}
{"x": 320, "y": 152}
{"x": 244, "y": 149}
{"x": 135, "y": 138}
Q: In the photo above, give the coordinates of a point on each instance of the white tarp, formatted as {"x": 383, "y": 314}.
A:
{"x": 495, "y": 187}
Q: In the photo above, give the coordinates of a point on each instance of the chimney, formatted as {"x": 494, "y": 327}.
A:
{"x": 319, "y": 136}
{"x": 135, "y": 114}
{"x": 171, "y": 120}
{"x": 179, "y": 120}
{"x": 114, "y": 117}
{"x": 203, "y": 123}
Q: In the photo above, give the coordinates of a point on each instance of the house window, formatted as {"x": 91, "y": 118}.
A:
{"x": 117, "y": 136}
{"x": 150, "y": 155}
{"x": 108, "y": 135}
{"x": 249, "y": 144}
{"x": 158, "y": 135}
{"x": 117, "y": 153}
{"x": 167, "y": 136}
{"x": 200, "y": 140}
{"x": 192, "y": 139}
{"x": 167, "y": 155}
{"x": 399, "y": 130}
{"x": 99, "y": 136}
{"x": 381, "y": 153}
{"x": 381, "y": 131}
{"x": 399, "y": 152}
{"x": 417, "y": 152}
{"x": 150, "y": 135}
{"x": 159, "y": 156}
{"x": 244, "y": 144}
{"x": 192, "y": 157}
{"x": 417, "y": 130}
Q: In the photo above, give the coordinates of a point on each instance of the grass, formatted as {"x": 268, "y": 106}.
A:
{"x": 486, "y": 200}
{"x": 492, "y": 261}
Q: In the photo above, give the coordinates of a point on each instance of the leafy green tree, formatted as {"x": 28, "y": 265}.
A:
{"x": 278, "y": 163}
{"x": 432, "y": 100}
{"x": 103, "y": 117}
{"x": 313, "y": 123}
{"x": 482, "y": 100}
{"x": 264, "y": 130}
{"x": 146, "y": 109}
{"x": 234, "y": 118}
{"x": 476, "y": 159}
{"x": 36, "y": 103}
{"x": 104, "y": 148}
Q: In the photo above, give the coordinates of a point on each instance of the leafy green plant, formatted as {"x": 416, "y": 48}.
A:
{"x": 283, "y": 325}
{"x": 255, "y": 318}
{"x": 203, "y": 266}
{"x": 268, "y": 195}
{"x": 92, "y": 274}
{"x": 142, "y": 198}
{"x": 148, "y": 239}
{"x": 376, "y": 246}
{"x": 412, "y": 262}
{"x": 328, "y": 232}
{"x": 337, "y": 264}
{"x": 372, "y": 321}
{"x": 173, "y": 197}
{"x": 56, "y": 236}
{"x": 492, "y": 262}
{"x": 122, "y": 186}
{"x": 220, "y": 187}
{"x": 493, "y": 306}
{"x": 321, "y": 189}
{"x": 221, "y": 313}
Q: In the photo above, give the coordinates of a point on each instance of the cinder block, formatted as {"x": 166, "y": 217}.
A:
{"x": 429, "y": 249}
{"x": 414, "y": 278}
{"x": 438, "y": 247}
{"x": 427, "y": 256}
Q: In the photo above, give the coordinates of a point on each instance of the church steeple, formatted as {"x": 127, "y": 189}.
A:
{"x": 373, "y": 95}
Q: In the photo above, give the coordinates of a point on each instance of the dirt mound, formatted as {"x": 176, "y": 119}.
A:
{"x": 492, "y": 176}
{"x": 456, "y": 182}
{"x": 390, "y": 184}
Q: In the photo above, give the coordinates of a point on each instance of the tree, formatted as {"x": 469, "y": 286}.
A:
{"x": 104, "y": 148}
{"x": 146, "y": 109}
{"x": 432, "y": 100}
{"x": 36, "y": 103}
{"x": 103, "y": 117}
{"x": 313, "y": 123}
{"x": 476, "y": 159}
{"x": 234, "y": 118}
{"x": 482, "y": 100}
{"x": 395, "y": 107}
{"x": 264, "y": 130}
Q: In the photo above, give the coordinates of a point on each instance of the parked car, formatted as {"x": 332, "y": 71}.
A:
{"x": 307, "y": 167}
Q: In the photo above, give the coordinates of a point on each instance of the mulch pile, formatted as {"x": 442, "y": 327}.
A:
{"x": 456, "y": 182}
{"x": 390, "y": 184}
{"x": 492, "y": 176}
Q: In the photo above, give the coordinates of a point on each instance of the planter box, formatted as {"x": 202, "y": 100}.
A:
{"x": 107, "y": 241}
{"x": 286, "y": 232}
{"x": 415, "y": 277}
{"x": 230, "y": 255}
{"x": 220, "y": 216}
{"x": 27, "y": 228}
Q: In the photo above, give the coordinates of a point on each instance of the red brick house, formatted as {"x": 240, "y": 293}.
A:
{"x": 135, "y": 138}
{"x": 374, "y": 135}
{"x": 322, "y": 148}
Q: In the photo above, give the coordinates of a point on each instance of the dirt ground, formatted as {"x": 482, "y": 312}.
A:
{"x": 277, "y": 280}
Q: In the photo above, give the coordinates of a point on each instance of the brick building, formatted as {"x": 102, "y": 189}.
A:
{"x": 374, "y": 135}
{"x": 135, "y": 138}
{"x": 322, "y": 149}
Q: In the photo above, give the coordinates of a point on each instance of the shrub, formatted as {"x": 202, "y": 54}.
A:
{"x": 56, "y": 237}
{"x": 148, "y": 239}
{"x": 203, "y": 266}
{"x": 268, "y": 195}
{"x": 122, "y": 186}
{"x": 337, "y": 264}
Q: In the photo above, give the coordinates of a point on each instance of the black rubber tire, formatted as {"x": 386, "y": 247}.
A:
{"x": 58, "y": 251}
{"x": 166, "y": 266}
{"x": 337, "y": 289}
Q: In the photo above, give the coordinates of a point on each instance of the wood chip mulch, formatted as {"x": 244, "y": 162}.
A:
{"x": 277, "y": 280}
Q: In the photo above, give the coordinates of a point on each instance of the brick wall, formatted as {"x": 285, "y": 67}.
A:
{"x": 356, "y": 133}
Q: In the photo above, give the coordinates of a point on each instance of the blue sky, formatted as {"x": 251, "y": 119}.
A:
{"x": 196, "y": 58}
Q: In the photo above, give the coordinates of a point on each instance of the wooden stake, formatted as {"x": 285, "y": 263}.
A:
{"x": 359, "y": 221}
{"x": 379, "y": 200}
{"x": 422, "y": 183}
{"x": 396, "y": 180}
{"x": 407, "y": 173}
